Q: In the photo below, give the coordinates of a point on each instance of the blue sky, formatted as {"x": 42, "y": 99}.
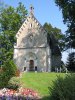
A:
{"x": 44, "y": 11}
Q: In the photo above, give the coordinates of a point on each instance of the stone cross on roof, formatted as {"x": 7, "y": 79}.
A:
{"x": 31, "y": 9}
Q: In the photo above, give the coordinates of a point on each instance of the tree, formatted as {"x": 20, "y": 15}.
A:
{"x": 56, "y": 34}
{"x": 71, "y": 62}
{"x": 68, "y": 9}
{"x": 10, "y": 20}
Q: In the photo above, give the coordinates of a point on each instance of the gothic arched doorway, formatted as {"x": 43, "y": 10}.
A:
{"x": 31, "y": 65}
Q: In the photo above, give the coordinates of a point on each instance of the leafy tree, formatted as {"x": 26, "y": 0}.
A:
{"x": 10, "y": 20}
{"x": 68, "y": 9}
{"x": 56, "y": 34}
{"x": 22, "y": 12}
{"x": 2, "y": 6}
{"x": 71, "y": 62}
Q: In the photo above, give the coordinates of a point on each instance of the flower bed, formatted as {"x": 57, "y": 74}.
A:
{"x": 20, "y": 94}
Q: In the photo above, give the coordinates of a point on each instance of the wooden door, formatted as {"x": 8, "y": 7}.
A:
{"x": 31, "y": 65}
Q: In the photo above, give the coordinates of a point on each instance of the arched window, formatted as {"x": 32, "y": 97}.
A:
{"x": 31, "y": 25}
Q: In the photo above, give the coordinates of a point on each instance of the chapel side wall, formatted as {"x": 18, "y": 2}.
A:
{"x": 48, "y": 59}
{"x": 18, "y": 58}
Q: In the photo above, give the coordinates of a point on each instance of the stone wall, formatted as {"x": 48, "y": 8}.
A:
{"x": 23, "y": 56}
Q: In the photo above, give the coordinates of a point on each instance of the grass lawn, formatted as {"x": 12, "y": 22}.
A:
{"x": 39, "y": 81}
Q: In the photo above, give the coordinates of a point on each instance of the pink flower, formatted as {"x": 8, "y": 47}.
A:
{"x": 22, "y": 91}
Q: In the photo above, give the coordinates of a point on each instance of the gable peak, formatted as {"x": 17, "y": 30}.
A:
{"x": 31, "y": 9}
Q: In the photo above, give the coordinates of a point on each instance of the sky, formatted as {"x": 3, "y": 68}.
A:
{"x": 44, "y": 11}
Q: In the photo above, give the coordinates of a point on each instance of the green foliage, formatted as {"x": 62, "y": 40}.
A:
{"x": 71, "y": 62}
{"x": 10, "y": 21}
{"x": 68, "y": 9}
{"x": 10, "y": 68}
{"x": 56, "y": 34}
{"x": 14, "y": 83}
{"x": 3, "y": 79}
{"x": 8, "y": 71}
{"x": 22, "y": 12}
{"x": 63, "y": 88}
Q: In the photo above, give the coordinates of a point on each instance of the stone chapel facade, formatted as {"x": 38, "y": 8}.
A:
{"x": 32, "y": 51}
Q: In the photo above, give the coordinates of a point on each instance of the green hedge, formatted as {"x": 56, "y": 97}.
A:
{"x": 63, "y": 88}
{"x": 8, "y": 71}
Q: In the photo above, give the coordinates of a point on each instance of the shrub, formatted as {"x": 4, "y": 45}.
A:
{"x": 3, "y": 80}
{"x": 10, "y": 68}
{"x": 14, "y": 83}
{"x": 63, "y": 88}
{"x": 8, "y": 71}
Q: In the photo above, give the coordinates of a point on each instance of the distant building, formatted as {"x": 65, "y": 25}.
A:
{"x": 32, "y": 50}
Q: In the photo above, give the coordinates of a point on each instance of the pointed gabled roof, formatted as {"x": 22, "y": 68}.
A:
{"x": 31, "y": 15}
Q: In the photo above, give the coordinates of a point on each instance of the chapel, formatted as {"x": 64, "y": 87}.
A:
{"x": 32, "y": 51}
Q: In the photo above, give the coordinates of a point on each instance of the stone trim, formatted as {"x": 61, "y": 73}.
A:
{"x": 29, "y": 48}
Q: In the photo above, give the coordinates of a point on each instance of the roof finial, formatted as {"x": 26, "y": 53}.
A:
{"x": 31, "y": 9}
